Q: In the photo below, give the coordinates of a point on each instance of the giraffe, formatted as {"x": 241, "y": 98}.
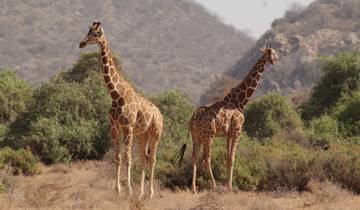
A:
{"x": 130, "y": 114}
{"x": 224, "y": 118}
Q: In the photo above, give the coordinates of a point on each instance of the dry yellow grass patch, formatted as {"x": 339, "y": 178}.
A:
{"x": 90, "y": 185}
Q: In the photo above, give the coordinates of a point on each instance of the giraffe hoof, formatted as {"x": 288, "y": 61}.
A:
{"x": 151, "y": 194}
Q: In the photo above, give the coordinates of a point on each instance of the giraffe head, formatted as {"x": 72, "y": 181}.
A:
{"x": 270, "y": 54}
{"x": 94, "y": 36}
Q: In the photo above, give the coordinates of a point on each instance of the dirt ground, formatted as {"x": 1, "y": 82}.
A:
{"x": 90, "y": 185}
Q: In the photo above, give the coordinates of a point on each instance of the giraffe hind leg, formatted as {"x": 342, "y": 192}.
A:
{"x": 195, "y": 154}
{"x": 128, "y": 137}
{"x": 207, "y": 144}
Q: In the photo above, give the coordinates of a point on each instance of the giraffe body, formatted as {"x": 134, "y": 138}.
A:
{"x": 130, "y": 114}
{"x": 224, "y": 118}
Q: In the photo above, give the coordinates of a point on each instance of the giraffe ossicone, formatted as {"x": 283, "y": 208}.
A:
{"x": 224, "y": 118}
{"x": 130, "y": 114}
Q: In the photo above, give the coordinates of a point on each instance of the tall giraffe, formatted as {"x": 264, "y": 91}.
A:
{"x": 130, "y": 114}
{"x": 224, "y": 118}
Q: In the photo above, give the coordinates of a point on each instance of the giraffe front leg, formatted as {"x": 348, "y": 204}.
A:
{"x": 143, "y": 160}
{"x": 230, "y": 162}
{"x": 128, "y": 137}
{"x": 115, "y": 133}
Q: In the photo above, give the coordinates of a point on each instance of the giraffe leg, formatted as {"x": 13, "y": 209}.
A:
{"x": 154, "y": 141}
{"x": 128, "y": 137}
{"x": 115, "y": 133}
{"x": 207, "y": 144}
{"x": 195, "y": 154}
{"x": 143, "y": 162}
{"x": 230, "y": 163}
{"x": 232, "y": 145}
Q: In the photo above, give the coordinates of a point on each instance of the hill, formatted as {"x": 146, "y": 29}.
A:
{"x": 163, "y": 43}
{"x": 301, "y": 37}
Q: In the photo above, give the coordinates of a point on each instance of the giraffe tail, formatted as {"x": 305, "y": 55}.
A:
{"x": 180, "y": 156}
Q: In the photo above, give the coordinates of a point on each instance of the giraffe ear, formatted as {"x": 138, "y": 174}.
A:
{"x": 262, "y": 50}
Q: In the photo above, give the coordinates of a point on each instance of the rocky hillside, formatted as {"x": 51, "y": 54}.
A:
{"x": 163, "y": 43}
{"x": 301, "y": 38}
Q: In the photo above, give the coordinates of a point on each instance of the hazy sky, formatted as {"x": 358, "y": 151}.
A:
{"x": 253, "y": 16}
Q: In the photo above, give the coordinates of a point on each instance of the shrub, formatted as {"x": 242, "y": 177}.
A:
{"x": 176, "y": 109}
{"x": 322, "y": 131}
{"x": 67, "y": 122}
{"x": 250, "y": 164}
{"x": 69, "y": 116}
{"x": 341, "y": 77}
{"x": 3, "y": 132}
{"x": 20, "y": 161}
{"x": 347, "y": 113}
{"x": 341, "y": 164}
{"x": 15, "y": 94}
{"x": 270, "y": 115}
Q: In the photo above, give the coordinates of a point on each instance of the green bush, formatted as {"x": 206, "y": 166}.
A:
{"x": 340, "y": 78}
{"x": 19, "y": 161}
{"x": 3, "y": 132}
{"x": 67, "y": 120}
{"x": 347, "y": 113}
{"x": 15, "y": 97}
{"x": 269, "y": 115}
{"x": 341, "y": 164}
{"x": 322, "y": 131}
{"x": 176, "y": 109}
{"x": 69, "y": 116}
{"x": 15, "y": 94}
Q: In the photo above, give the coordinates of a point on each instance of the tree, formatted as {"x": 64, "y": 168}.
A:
{"x": 176, "y": 109}
{"x": 347, "y": 112}
{"x": 270, "y": 115}
{"x": 15, "y": 95}
{"x": 68, "y": 118}
{"x": 341, "y": 78}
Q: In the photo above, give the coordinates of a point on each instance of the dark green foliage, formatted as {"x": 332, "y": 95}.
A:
{"x": 69, "y": 116}
{"x": 176, "y": 109}
{"x": 269, "y": 115}
{"x": 341, "y": 78}
{"x": 322, "y": 131}
{"x": 19, "y": 161}
{"x": 15, "y": 95}
{"x": 347, "y": 113}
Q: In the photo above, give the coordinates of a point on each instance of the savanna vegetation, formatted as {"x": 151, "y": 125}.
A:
{"x": 282, "y": 147}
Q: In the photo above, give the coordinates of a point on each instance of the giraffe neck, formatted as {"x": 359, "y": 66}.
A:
{"x": 115, "y": 83}
{"x": 240, "y": 95}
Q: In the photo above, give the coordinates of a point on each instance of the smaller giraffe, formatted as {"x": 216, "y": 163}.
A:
{"x": 130, "y": 114}
{"x": 224, "y": 118}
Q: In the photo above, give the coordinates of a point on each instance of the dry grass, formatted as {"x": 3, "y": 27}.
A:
{"x": 90, "y": 185}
